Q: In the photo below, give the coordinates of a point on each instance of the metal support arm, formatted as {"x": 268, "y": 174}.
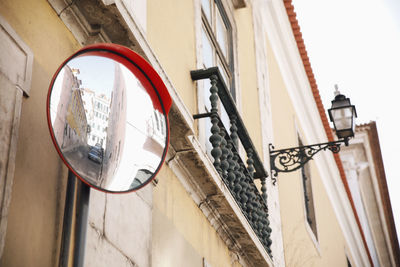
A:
{"x": 291, "y": 159}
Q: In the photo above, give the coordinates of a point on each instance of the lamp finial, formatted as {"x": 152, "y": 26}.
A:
{"x": 336, "y": 90}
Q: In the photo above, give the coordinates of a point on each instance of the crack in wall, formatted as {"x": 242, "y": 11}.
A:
{"x": 102, "y": 236}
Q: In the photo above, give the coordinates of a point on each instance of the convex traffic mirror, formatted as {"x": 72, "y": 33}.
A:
{"x": 107, "y": 113}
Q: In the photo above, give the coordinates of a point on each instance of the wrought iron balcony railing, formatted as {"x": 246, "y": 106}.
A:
{"x": 237, "y": 176}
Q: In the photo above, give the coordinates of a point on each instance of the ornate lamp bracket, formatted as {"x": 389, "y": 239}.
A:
{"x": 291, "y": 159}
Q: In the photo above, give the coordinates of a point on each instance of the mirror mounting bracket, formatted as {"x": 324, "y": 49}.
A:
{"x": 204, "y": 115}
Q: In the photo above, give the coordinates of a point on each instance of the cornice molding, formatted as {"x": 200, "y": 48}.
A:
{"x": 118, "y": 25}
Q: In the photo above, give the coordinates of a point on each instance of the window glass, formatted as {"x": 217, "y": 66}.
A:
{"x": 205, "y": 4}
{"x": 207, "y": 51}
{"x": 215, "y": 52}
{"x": 216, "y": 37}
{"x": 224, "y": 73}
{"x": 222, "y": 34}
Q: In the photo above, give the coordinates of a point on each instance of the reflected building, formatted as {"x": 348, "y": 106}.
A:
{"x": 97, "y": 108}
{"x": 87, "y": 98}
{"x": 153, "y": 147}
{"x": 136, "y": 130}
{"x": 155, "y": 141}
{"x": 68, "y": 113}
{"x": 116, "y": 125}
{"x": 76, "y": 122}
{"x": 101, "y": 108}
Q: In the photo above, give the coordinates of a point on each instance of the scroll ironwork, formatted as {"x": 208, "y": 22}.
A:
{"x": 291, "y": 159}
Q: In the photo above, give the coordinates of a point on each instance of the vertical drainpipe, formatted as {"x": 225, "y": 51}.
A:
{"x": 81, "y": 213}
{"x": 80, "y": 202}
{"x": 67, "y": 221}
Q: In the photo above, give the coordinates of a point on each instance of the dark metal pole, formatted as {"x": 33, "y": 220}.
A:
{"x": 81, "y": 211}
{"x": 67, "y": 221}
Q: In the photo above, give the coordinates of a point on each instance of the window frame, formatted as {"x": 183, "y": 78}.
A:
{"x": 227, "y": 61}
{"x": 307, "y": 188}
{"x": 202, "y": 89}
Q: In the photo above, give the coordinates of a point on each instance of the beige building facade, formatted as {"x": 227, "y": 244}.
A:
{"x": 202, "y": 210}
{"x": 362, "y": 161}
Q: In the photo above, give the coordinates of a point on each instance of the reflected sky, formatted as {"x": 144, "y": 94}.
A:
{"x": 93, "y": 67}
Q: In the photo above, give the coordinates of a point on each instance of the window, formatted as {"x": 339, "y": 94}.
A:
{"x": 308, "y": 196}
{"x": 216, "y": 39}
{"x": 216, "y": 50}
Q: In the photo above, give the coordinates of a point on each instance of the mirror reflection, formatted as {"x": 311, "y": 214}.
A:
{"x": 106, "y": 124}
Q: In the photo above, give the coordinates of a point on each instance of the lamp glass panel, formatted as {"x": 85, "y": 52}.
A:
{"x": 343, "y": 118}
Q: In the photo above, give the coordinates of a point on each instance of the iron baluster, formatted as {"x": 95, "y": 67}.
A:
{"x": 264, "y": 189}
{"x": 244, "y": 182}
{"x": 236, "y": 174}
{"x": 231, "y": 169}
{"x": 234, "y": 129}
{"x": 250, "y": 166}
{"x": 215, "y": 138}
{"x": 224, "y": 154}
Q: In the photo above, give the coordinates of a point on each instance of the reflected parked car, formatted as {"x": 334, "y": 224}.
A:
{"x": 96, "y": 154}
{"x": 98, "y": 145}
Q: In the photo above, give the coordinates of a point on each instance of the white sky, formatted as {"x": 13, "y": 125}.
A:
{"x": 96, "y": 73}
{"x": 356, "y": 44}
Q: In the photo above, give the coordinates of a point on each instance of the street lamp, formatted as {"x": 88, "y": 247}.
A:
{"x": 342, "y": 114}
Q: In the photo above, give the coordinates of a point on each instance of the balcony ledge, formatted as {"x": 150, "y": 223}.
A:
{"x": 213, "y": 197}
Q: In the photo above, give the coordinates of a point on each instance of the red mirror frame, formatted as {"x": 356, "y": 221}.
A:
{"x": 146, "y": 74}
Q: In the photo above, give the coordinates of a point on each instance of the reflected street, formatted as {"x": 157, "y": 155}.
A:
{"x": 78, "y": 158}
